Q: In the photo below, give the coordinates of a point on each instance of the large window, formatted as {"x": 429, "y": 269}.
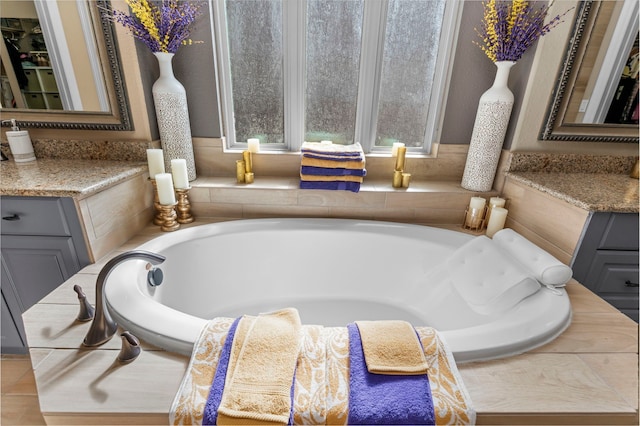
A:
{"x": 349, "y": 71}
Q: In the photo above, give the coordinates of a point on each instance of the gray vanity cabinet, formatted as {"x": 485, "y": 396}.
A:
{"x": 42, "y": 245}
{"x": 607, "y": 259}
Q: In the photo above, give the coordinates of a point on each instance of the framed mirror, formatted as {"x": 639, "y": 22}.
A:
{"x": 60, "y": 66}
{"x": 596, "y": 97}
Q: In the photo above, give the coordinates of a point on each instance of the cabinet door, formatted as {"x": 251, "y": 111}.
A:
{"x": 11, "y": 338}
{"x": 37, "y": 265}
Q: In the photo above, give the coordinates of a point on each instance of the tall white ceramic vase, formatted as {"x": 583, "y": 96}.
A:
{"x": 170, "y": 100}
{"x": 489, "y": 129}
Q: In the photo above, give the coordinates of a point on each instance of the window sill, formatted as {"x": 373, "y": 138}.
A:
{"x": 428, "y": 201}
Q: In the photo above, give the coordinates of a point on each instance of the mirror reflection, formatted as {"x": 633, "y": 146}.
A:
{"x": 606, "y": 87}
{"x": 49, "y": 56}
{"x": 596, "y": 96}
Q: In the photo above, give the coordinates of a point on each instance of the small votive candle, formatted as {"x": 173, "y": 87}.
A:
{"x": 497, "y": 220}
{"x": 155, "y": 160}
{"x": 248, "y": 177}
{"x": 394, "y": 148}
{"x": 253, "y": 145}
{"x": 326, "y": 142}
{"x": 179, "y": 173}
{"x": 166, "y": 195}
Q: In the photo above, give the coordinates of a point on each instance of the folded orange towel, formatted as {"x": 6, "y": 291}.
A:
{"x": 392, "y": 347}
{"x": 325, "y": 178}
{"x": 305, "y": 161}
{"x": 261, "y": 369}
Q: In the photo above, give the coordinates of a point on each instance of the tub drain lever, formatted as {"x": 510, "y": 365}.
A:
{"x": 86, "y": 310}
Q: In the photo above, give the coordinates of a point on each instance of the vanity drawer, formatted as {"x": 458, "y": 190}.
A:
{"x": 33, "y": 216}
{"x": 614, "y": 273}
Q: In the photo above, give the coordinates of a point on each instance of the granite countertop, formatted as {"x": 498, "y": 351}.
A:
{"x": 64, "y": 178}
{"x": 590, "y": 191}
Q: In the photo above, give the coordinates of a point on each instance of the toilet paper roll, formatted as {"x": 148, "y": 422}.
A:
{"x": 20, "y": 145}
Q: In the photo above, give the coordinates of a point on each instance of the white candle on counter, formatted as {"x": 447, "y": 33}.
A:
{"x": 394, "y": 148}
{"x": 494, "y": 202}
{"x": 253, "y": 145}
{"x": 155, "y": 161}
{"x": 496, "y": 221}
{"x": 477, "y": 203}
{"x": 166, "y": 195}
{"x": 497, "y": 202}
{"x": 179, "y": 173}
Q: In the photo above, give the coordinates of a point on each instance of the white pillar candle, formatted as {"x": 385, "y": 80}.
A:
{"x": 494, "y": 202}
{"x": 155, "y": 161}
{"x": 497, "y": 202}
{"x": 253, "y": 145}
{"x": 179, "y": 173}
{"x": 394, "y": 148}
{"x": 477, "y": 203}
{"x": 166, "y": 195}
{"x": 496, "y": 221}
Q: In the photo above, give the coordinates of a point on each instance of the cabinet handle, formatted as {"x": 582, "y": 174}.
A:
{"x": 628, "y": 283}
{"x": 12, "y": 217}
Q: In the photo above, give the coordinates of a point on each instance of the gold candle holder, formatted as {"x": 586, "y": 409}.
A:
{"x": 402, "y": 151}
{"x": 240, "y": 171}
{"x": 168, "y": 214}
{"x": 474, "y": 219}
{"x": 248, "y": 177}
{"x": 248, "y": 161}
{"x": 406, "y": 179}
{"x": 157, "y": 219}
{"x": 183, "y": 208}
{"x": 397, "y": 179}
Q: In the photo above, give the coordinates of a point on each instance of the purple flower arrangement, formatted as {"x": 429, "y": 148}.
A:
{"x": 162, "y": 25}
{"x": 509, "y": 28}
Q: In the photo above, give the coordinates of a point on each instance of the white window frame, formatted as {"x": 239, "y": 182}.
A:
{"x": 373, "y": 37}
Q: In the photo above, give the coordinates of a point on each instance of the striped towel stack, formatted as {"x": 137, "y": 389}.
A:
{"x": 332, "y": 166}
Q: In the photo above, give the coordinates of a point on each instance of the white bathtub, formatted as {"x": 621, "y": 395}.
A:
{"x": 333, "y": 271}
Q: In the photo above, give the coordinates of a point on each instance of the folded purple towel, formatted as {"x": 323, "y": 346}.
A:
{"x": 331, "y": 153}
{"x": 376, "y": 399}
{"x": 325, "y": 171}
{"x": 210, "y": 414}
{"x": 335, "y": 185}
{"x": 332, "y": 157}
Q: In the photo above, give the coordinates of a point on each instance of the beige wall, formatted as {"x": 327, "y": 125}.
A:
{"x": 548, "y": 57}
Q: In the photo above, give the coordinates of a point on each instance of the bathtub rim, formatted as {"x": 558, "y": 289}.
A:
{"x": 189, "y": 327}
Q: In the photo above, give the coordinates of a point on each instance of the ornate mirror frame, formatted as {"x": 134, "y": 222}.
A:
{"x": 119, "y": 116}
{"x": 554, "y": 127}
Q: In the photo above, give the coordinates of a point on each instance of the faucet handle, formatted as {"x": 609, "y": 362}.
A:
{"x": 86, "y": 310}
{"x": 130, "y": 348}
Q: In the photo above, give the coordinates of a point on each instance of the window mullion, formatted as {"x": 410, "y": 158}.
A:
{"x": 442, "y": 76}
{"x": 224, "y": 64}
{"x": 294, "y": 25}
{"x": 373, "y": 33}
